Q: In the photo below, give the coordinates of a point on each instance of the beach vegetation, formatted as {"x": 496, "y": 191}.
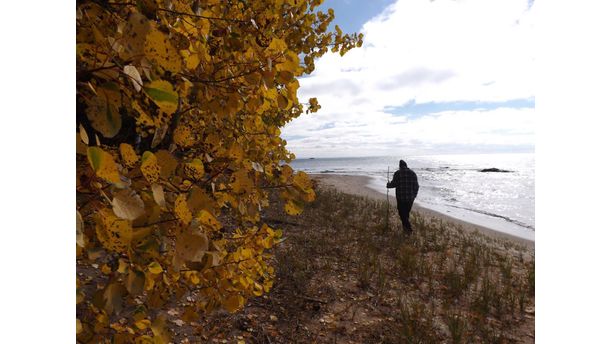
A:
{"x": 415, "y": 322}
{"x": 457, "y": 327}
{"x": 441, "y": 284}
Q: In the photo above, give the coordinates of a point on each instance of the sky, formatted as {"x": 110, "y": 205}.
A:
{"x": 432, "y": 77}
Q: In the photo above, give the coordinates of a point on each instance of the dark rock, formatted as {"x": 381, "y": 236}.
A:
{"x": 493, "y": 170}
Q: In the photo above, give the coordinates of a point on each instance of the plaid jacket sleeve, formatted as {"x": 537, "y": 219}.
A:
{"x": 394, "y": 181}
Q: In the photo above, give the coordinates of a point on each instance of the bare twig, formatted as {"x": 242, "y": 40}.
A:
{"x": 156, "y": 223}
{"x": 308, "y": 298}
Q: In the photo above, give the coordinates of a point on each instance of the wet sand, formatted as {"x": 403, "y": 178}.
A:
{"x": 357, "y": 185}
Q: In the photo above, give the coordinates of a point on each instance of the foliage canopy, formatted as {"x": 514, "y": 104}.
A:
{"x": 179, "y": 110}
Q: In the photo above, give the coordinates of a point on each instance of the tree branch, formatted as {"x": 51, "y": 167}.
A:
{"x": 199, "y": 16}
{"x": 155, "y": 223}
{"x": 276, "y": 186}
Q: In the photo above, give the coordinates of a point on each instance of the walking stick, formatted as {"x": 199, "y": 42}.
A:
{"x": 387, "y": 218}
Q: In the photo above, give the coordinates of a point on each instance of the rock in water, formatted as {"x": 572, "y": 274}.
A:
{"x": 493, "y": 170}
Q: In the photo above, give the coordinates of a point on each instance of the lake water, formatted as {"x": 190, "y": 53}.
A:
{"x": 452, "y": 184}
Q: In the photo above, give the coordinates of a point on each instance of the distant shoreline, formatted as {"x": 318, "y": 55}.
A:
{"x": 358, "y": 185}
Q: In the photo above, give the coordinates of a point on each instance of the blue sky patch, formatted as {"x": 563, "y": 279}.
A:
{"x": 414, "y": 109}
{"x": 352, "y": 14}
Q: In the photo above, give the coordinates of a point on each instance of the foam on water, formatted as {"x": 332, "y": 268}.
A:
{"x": 453, "y": 185}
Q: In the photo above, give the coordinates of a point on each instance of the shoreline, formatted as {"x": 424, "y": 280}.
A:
{"x": 358, "y": 185}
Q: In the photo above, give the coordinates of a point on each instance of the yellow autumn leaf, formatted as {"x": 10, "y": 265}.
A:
{"x": 233, "y": 303}
{"x": 292, "y": 208}
{"x": 192, "y": 61}
{"x": 235, "y": 151}
{"x": 134, "y": 34}
{"x": 277, "y": 45}
{"x": 290, "y": 64}
{"x": 257, "y": 289}
{"x": 244, "y": 282}
{"x": 118, "y": 327}
{"x": 160, "y": 50}
{"x": 245, "y": 253}
{"x": 184, "y": 87}
{"x": 204, "y": 25}
{"x": 301, "y": 181}
{"x": 194, "y": 169}
{"x": 135, "y": 282}
{"x": 292, "y": 88}
{"x": 241, "y": 182}
{"x": 286, "y": 172}
{"x": 253, "y": 79}
{"x": 149, "y": 168}
{"x": 113, "y": 298}
{"x": 309, "y": 195}
{"x": 142, "y": 118}
{"x": 155, "y": 268}
{"x": 114, "y": 233}
{"x": 167, "y": 162}
{"x": 285, "y": 76}
{"x": 191, "y": 247}
{"x": 122, "y": 267}
{"x": 183, "y": 136}
{"x": 158, "y": 327}
{"x": 268, "y": 242}
{"x": 188, "y": 25}
{"x": 282, "y": 102}
{"x": 268, "y": 284}
{"x": 182, "y": 210}
{"x": 313, "y": 105}
{"x": 103, "y": 164}
{"x": 163, "y": 95}
{"x": 213, "y": 258}
{"x": 104, "y": 116}
{"x": 208, "y": 220}
{"x": 198, "y": 200}
{"x": 129, "y": 156}
{"x": 193, "y": 277}
{"x": 149, "y": 281}
{"x": 80, "y": 296}
{"x": 143, "y": 324}
{"x": 106, "y": 269}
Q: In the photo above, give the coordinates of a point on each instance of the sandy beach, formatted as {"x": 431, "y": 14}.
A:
{"x": 357, "y": 185}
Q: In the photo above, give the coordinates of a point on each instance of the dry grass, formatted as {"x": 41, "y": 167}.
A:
{"x": 439, "y": 285}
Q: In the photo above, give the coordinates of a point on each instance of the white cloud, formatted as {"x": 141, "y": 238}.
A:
{"x": 424, "y": 51}
{"x": 379, "y": 133}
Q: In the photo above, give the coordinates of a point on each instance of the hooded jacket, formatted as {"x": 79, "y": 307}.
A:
{"x": 405, "y": 183}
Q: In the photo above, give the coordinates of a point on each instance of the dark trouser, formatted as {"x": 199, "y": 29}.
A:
{"x": 403, "y": 207}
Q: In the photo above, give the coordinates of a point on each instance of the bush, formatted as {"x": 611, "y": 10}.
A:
{"x": 179, "y": 105}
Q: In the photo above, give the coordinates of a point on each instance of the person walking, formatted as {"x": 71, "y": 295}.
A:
{"x": 406, "y": 189}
